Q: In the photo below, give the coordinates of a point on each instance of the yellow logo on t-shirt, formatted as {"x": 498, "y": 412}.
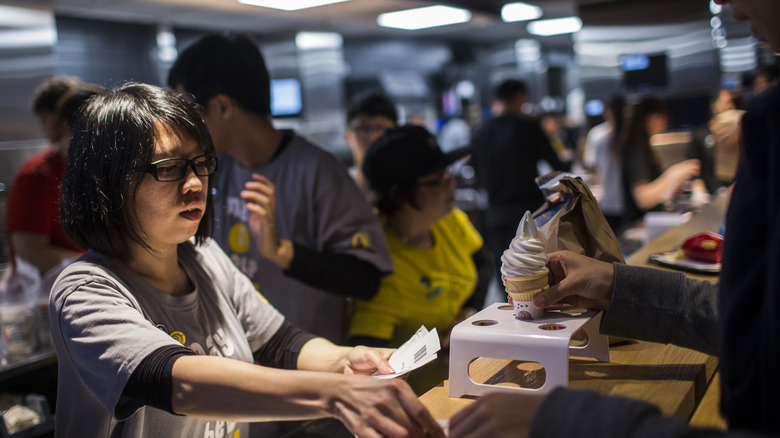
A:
{"x": 361, "y": 240}
{"x": 257, "y": 290}
{"x": 239, "y": 238}
{"x": 179, "y": 337}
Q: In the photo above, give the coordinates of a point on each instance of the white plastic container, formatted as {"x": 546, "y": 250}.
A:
{"x": 18, "y": 326}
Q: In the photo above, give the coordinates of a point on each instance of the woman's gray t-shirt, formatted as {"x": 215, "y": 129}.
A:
{"x": 105, "y": 320}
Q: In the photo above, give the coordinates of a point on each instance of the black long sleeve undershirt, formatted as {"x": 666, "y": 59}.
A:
{"x": 282, "y": 350}
{"x": 340, "y": 274}
{"x": 151, "y": 384}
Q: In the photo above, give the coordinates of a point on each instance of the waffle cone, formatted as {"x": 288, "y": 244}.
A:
{"x": 526, "y": 287}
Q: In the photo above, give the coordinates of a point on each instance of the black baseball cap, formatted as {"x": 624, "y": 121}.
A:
{"x": 404, "y": 154}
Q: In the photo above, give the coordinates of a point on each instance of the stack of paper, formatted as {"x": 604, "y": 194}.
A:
{"x": 420, "y": 349}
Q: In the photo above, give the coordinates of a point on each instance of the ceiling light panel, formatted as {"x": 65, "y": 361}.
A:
{"x": 555, "y": 26}
{"x": 422, "y": 18}
{"x": 289, "y": 5}
{"x": 519, "y": 11}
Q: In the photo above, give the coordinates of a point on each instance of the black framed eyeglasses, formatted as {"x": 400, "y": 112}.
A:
{"x": 174, "y": 169}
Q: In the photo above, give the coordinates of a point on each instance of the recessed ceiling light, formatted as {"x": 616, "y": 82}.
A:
{"x": 422, "y": 18}
{"x": 289, "y": 5}
{"x": 555, "y": 26}
{"x": 520, "y": 12}
{"x": 318, "y": 40}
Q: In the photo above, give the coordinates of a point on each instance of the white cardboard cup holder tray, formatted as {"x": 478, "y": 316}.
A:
{"x": 495, "y": 333}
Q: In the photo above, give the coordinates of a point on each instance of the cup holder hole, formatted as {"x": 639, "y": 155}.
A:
{"x": 552, "y": 327}
{"x": 484, "y": 322}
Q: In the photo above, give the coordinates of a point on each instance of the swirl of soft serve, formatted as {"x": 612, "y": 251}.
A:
{"x": 525, "y": 255}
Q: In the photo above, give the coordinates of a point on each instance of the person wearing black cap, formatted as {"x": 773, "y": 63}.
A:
{"x": 441, "y": 267}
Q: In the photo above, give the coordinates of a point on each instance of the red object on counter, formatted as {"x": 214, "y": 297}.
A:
{"x": 705, "y": 247}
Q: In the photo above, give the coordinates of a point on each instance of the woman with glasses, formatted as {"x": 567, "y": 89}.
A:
{"x": 441, "y": 268}
{"x": 157, "y": 332}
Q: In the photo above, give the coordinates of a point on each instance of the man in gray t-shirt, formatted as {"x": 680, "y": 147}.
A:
{"x": 324, "y": 210}
{"x": 287, "y": 212}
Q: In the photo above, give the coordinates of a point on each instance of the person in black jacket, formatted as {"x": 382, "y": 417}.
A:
{"x": 505, "y": 152}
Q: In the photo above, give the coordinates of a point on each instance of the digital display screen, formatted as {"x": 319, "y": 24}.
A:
{"x": 286, "y": 97}
{"x": 640, "y": 70}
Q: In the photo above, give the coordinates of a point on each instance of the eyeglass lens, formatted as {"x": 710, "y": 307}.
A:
{"x": 174, "y": 169}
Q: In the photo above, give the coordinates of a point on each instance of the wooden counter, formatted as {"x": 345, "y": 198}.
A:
{"x": 675, "y": 379}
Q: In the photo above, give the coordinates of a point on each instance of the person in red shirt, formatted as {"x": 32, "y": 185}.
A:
{"x": 32, "y": 217}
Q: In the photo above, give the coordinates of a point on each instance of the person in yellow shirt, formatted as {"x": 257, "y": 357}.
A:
{"x": 442, "y": 269}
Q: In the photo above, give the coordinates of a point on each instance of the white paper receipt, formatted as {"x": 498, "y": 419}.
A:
{"x": 420, "y": 349}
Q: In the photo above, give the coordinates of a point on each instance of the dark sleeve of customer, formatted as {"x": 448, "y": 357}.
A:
{"x": 663, "y": 306}
{"x": 484, "y": 264}
{"x": 340, "y": 274}
{"x": 589, "y": 414}
{"x": 543, "y": 149}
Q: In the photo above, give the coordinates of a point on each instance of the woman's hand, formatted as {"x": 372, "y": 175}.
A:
{"x": 578, "y": 280}
{"x": 681, "y": 173}
{"x": 382, "y": 408}
{"x": 497, "y": 415}
{"x": 260, "y": 197}
{"x": 366, "y": 360}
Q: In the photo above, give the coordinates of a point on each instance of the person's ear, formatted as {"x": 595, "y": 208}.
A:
{"x": 224, "y": 105}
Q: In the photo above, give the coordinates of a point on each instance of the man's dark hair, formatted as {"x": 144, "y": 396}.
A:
{"x": 372, "y": 104}
{"x": 112, "y": 142}
{"x": 48, "y": 94}
{"x": 509, "y": 89}
{"x": 227, "y": 64}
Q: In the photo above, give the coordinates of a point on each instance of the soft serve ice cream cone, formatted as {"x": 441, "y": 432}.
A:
{"x": 524, "y": 269}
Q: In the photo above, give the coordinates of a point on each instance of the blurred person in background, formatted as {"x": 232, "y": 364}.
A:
{"x": 608, "y": 171}
{"x": 724, "y": 127}
{"x": 559, "y": 137}
{"x": 367, "y": 118}
{"x": 442, "y": 269}
{"x": 697, "y": 314}
{"x": 32, "y": 217}
{"x": 314, "y": 241}
{"x": 157, "y": 332}
{"x": 645, "y": 186}
{"x": 505, "y": 152}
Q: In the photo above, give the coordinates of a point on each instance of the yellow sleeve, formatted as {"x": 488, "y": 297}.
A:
{"x": 375, "y": 318}
{"x": 469, "y": 235}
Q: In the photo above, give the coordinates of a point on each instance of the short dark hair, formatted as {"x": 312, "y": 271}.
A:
{"x": 372, "y": 104}
{"x": 509, "y": 89}
{"x": 230, "y": 64}
{"x": 114, "y": 138}
{"x": 394, "y": 198}
{"x": 48, "y": 94}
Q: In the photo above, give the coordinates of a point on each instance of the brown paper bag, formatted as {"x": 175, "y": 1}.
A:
{"x": 572, "y": 220}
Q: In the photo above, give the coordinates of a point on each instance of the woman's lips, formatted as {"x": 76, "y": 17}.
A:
{"x": 193, "y": 214}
